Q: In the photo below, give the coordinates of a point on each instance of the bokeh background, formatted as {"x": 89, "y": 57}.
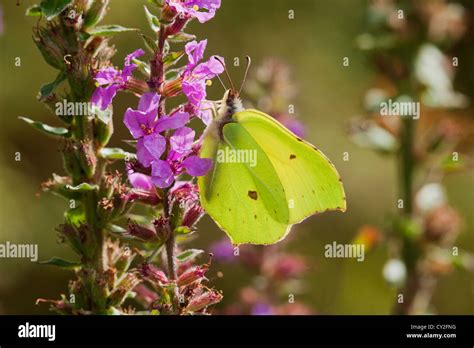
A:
{"x": 313, "y": 45}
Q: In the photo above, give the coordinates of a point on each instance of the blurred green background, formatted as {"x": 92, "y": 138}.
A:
{"x": 313, "y": 44}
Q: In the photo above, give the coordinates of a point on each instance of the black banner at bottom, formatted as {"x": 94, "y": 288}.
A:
{"x": 136, "y": 331}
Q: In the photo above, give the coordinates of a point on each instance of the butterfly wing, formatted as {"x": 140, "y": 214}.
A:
{"x": 246, "y": 199}
{"x": 311, "y": 182}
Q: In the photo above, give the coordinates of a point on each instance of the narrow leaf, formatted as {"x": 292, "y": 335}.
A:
{"x": 153, "y": 21}
{"x": 52, "y": 8}
{"x": 149, "y": 43}
{"x": 53, "y": 131}
{"x": 47, "y": 89}
{"x": 83, "y": 187}
{"x": 57, "y": 261}
{"x": 115, "y": 153}
{"x": 189, "y": 255}
{"x": 172, "y": 58}
{"x": 109, "y": 30}
{"x": 181, "y": 37}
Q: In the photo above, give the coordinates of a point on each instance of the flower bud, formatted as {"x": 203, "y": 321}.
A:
{"x": 141, "y": 232}
{"x": 191, "y": 275}
{"x": 103, "y": 132}
{"x": 72, "y": 164}
{"x": 203, "y": 301}
{"x": 442, "y": 225}
{"x": 167, "y": 14}
{"x": 153, "y": 274}
{"x": 52, "y": 53}
{"x": 172, "y": 88}
{"x": 193, "y": 215}
{"x": 123, "y": 289}
{"x": 162, "y": 228}
{"x": 178, "y": 25}
{"x": 145, "y": 197}
{"x": 87, "y": 158}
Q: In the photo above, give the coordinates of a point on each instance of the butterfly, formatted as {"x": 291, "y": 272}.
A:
{"x": 264, "y": 178}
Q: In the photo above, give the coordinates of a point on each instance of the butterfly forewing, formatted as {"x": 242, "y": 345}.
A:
{"x": 311, "y": 182}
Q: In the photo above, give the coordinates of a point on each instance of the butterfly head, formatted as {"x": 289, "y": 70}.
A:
{"x": 231, "y": 102}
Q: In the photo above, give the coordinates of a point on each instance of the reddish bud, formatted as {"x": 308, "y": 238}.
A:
{"x": 153, "y": 274}
{"x": 203, "y": 301}
{"x": 192, "y": 275}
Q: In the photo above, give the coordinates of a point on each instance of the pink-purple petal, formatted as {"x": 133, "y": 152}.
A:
{"x": 162, "y": 175}
{"x": 140, "y": 181}
{"x": 197, "y": 166}
{"x": 155, "y": 144}
{"x": 182, "y": 140}
{"x": 175, "y": 121}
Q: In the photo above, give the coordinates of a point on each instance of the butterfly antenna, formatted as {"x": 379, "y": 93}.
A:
{"x": 222, "y": 83}
{"x": 247, "y": 68}
{"x": 226, "y": 72}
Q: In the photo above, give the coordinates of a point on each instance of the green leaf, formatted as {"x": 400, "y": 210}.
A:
{"x": 172, "y": 58}
{"x": 57, "y": 261}
{"x": 189, "y": 255}
{"x": 109, "y": 30}
{"x": 153, "y": 21}
{"x": 181, "y": 37}
{"x": 53, "y": 131}
{"x": 158, "y": 3}
{"x": 83, "y": 187}
{"x": 142, "y": 66}
{"x": 149, "y": 43}
{"x": 115, "y": 153}
{"x": 47, "y": 89}
{"x": 34, "y": 11}
{"x": 52, "y": 8}
{"x": 75, "y": 216}
{"x": 182, "y": 230}
{"x": 116, "y": 229}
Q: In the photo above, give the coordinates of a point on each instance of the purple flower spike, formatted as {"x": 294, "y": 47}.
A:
{"x": 110, "y": 80}
{"x": 192, "y": 8}
{"x": 143, "y": 124}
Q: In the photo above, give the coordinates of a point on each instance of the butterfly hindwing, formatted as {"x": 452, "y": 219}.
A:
{"x": 311, "y": 182}
{"x": 245, "y": 198}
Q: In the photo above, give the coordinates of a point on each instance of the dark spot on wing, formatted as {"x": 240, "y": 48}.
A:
{"x": 253, "y": 195}
{"x": 230, "y": 209}
{"x": 217, "y": 194}
{"x": 313, "y": 191}
{"x": 255, "y": 216}
{"x": 299, "y": 139}
{"x": 292, "y": 157}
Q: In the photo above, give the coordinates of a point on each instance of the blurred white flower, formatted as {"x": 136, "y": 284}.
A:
{"x": 432, "y": 69}
{"x": 430, "y": 196}
{"x": 394, "y": 271}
